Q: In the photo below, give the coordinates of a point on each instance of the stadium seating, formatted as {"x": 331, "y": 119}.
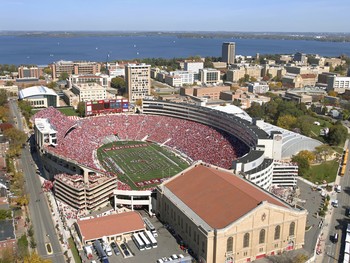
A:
{"x": 79, "y": 139}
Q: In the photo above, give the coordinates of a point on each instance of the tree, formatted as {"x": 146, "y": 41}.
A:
{"x": 47, "y": 70}
{"x": 8, "y": 83}
{"x": 332, "y": 93}
{"x": 3, "y": 97}
{"x": 35, "y": 258}
{"x": 337, "y": 134}
{"x": 4, "y": 114}
{"x": 119, "y": 84}
{"x": 324, "y": 151}
{"x": 287, "y": 122}
{"x": 64, "y": 76}
{"x": 345, "y": 114}
{"x": 7, "y": 256}
{"x": 256, "y": 110}
{"x": 22, "y": 247}
{"x": 5, "y": 214}
{"x": 303, "y": 164}
{"x": 81, "y": 108}
{"x": 310, "y": 156}
{"x": 304, "y": 123}
{"x": 52, "y": 85}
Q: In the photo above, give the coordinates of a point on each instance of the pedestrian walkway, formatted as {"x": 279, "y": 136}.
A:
{"x": 61, "y": 229}
{"x": 326, "y": 231}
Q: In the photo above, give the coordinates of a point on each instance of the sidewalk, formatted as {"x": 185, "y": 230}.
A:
{"x": 326, "y": 231}
{"x": 58, "y": 221}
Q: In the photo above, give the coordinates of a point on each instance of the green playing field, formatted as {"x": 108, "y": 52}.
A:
{"x": 139, "y": 164}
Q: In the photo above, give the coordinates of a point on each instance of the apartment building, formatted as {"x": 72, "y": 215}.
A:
{"x": 89, "y": 91}
{"x": 102, "y": 80}
{"x": 258, "y": 87}
{"x": 30, "y": 72}
{"x": 71, "y": 67}
{"x": 209, "y": 76}
{"x": 138, "y": 81}
{"x": 193, "y": 66}
{"x": 228, "y": 52}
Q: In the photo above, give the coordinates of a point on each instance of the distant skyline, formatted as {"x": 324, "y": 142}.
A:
{"x": 180, "y": 15}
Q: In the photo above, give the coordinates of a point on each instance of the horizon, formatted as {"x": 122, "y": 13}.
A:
{"x": 175, "y": 31}
{"x": 155, "y": 15}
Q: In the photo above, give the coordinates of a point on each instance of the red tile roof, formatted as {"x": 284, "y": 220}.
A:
{"x": 218, "y": 197}
{"x": 111, "y": 225}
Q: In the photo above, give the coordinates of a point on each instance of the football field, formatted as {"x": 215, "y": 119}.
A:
{"x": 139, "y": 164}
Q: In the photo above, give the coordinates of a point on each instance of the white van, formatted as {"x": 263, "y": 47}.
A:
{"x": 338, "y": 189}
{"x": 335, "y": 203}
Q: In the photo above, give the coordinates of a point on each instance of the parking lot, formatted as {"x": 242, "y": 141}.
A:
{"x": 167, "y": 246}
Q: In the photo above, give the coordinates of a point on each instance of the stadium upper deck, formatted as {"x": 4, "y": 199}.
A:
{"x": 77, "y": 140}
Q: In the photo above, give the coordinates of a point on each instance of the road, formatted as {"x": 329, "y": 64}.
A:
{"x": 339, "y": 221}
{"x": 40, "y": 214}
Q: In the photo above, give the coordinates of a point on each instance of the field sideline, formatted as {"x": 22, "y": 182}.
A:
{"x": 139, "y": 164}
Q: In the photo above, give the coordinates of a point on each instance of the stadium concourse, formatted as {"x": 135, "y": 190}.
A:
{"x": 77, "y": 140}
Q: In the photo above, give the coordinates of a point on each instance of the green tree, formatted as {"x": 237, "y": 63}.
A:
{"x": 303, "y": 164}
{"x": 22, "y": 247}
{"x": 64, "y": 76}
{"x": 304, "y": 123}
{"x": 5, "y": 214}
{"x": 256, "y": 110}
{"x": 3, "y": 97}
{"x": 337, "y": 134}
{"x": 52, "y": 85}
{"x": 323, "y": 151}
{"x": 119, "y": 84}
{"x": 47, "y": 70}
{"x": 81, "y": 108}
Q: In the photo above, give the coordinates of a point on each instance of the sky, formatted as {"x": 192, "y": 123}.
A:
{"x": 176, "y": 15}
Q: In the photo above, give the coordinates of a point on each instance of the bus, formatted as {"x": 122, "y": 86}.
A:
{"x": 138, "y": 242}
{"x": 150, "y": 227}
{"x": 100, "y": 252}
{"x": 151, "y": 239}
{"x": 145, "y": 240}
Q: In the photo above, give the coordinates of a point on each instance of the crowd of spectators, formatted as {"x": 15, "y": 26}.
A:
{"x": 77, "y": 140}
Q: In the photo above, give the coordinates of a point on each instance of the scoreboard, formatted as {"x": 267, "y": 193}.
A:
{"x": 106, "y": 106}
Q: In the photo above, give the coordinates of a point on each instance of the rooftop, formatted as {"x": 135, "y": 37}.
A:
{"x": 7, "y": 230}
{"x": 216, "y": 195}
{"x": 111, "y": 225}
{"x": 36, "y": 91}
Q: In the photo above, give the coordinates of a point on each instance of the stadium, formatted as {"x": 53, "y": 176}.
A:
{"x": 126, "y": 155}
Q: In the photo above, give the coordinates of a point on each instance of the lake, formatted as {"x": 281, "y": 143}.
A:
{"x": 44, "y": 50}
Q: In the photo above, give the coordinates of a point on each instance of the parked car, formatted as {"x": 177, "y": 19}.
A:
{"x": 115, "y": 248}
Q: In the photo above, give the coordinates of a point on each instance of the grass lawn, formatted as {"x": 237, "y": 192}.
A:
{"x": 325, "y": 171}
{"x": 75, "y": 253}
{"x": 65, "y": 111}
{"x": 68, "y": 111}
{"x": 138, "y": 162}
{"x": 315, "y": 129}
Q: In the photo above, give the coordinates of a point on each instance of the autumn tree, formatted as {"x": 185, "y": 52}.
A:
{"x": 287, "y": 122}
{"x": 35, "y": 258}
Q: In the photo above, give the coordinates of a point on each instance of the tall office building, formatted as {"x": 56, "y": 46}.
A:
{"x": 138, "y": 80}
{"x": 228, "y": 52}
